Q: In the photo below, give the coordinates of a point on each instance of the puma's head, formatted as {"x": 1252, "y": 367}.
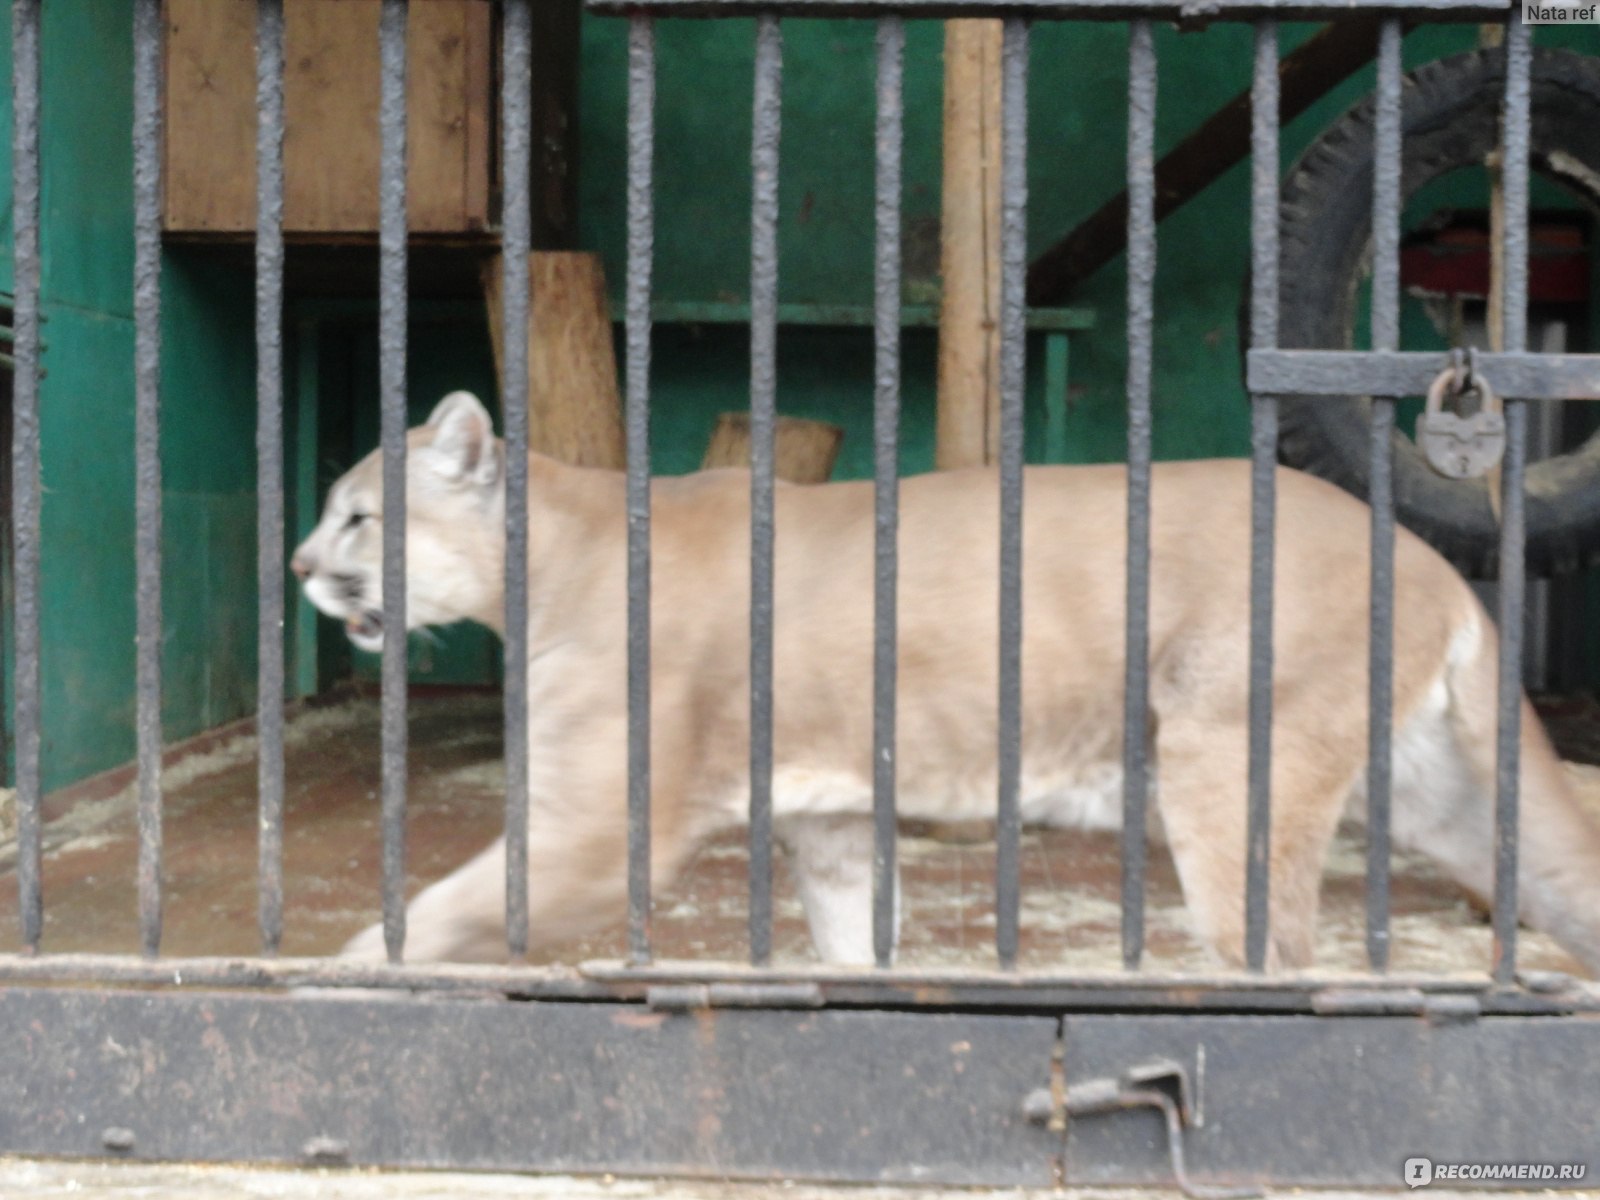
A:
{"x": 455, "y": 530}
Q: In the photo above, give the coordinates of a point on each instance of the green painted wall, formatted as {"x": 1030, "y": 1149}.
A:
{"x": 86, "y": 405}
{"x": 1077, "y": 92}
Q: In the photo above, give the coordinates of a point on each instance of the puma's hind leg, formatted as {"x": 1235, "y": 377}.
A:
{"x": 577, "y": 883}
{"x": 832, "y": 859}
{"x": 1444, "y": 789}
{"x": 1202, "y": 766}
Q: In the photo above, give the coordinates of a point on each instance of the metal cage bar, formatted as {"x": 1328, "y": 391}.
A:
{"x": 763, "y": 421}
{"x": 641, "y": 237}
{"x": 1141, "y": 302}
{"x": 1380, "y": 496}
{"x": 1513, "y": 576}
{"x": 1013, "y": 279}
{"x": 1340, "y": 373}
{"x": 1271, "y": 371}
{"x": 1263, "y": 483}
{"x": 886, "y": 478}
{"x": 25, "y": 458}
{"x": 147, "y": 456}
{"x": 516, "y": 151}
{"x": 392, "y": 439}
{"x": 269, "y": 468}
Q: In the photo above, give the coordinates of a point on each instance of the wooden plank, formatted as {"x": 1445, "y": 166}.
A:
{"x": 210, "y": 115}
{"x": 331, "y": 140}
{"x": 967, "y": 431}
{"x": 479, "y": 109}
{"x": 1305, "y": 75}
{"x": 806, "y": 449}
{"x": 574, "y": 413}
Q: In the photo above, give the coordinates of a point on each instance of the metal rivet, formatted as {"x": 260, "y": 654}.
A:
{"x": 1038, "y": 1106}
{"x": 118, "y": 1139}
{"x": 326, "y": 1149}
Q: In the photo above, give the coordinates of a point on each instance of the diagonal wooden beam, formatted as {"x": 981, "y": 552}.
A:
{"x": 1313, "y": 69}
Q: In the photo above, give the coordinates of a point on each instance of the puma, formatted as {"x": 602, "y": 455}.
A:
{"x": 1072, "y": 654}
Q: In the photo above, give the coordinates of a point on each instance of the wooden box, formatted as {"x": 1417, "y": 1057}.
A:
{"x": 331, "y": 83}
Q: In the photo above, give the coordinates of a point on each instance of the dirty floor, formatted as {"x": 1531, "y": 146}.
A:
{"x": 1070, "y": 880}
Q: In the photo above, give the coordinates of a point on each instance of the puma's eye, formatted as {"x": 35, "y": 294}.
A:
{"x": 357, "y": 519}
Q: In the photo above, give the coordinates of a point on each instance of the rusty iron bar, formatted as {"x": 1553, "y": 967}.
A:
{"x": 147, "y": 127}
{"x": 1380, "y": 496}
{"x": 1263, "y": 485}
{"x": 1013, "y": 349}
{"x": 270, "y": 550}
{"x": 886, "y": 477}
{"x": 1141, "y": 235}
{"x": 767, "y": 127}
{"x": 25, "y": 487}
{"x": 1513, "y": 517}
{"x": 641, "y": 236}
{"x": 392, "y": 301}
{"x": 516, "y": 240}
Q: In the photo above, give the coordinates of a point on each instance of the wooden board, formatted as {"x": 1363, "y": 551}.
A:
{"x": 967, "y": 431}
{"x": 804, "y": 450}
{"x": 574, "y": 413}
{"x": 331, "y": 142}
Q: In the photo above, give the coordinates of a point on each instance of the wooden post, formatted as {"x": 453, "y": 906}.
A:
{"x": 573, "y": 411}
{"x": 805, "y": 454}
{"x": 969, "y": 317}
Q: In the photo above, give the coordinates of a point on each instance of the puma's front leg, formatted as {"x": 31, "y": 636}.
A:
{"x": 577, "y": 880}
{"x": 832, "y": 858}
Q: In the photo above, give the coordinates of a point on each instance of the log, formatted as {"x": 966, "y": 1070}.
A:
{"x": 968, "y": 424}
{"x": 806, "y": 450}
{"x": 573, "y": 410}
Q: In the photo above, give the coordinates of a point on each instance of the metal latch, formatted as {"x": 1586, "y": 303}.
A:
{"x": 1161, "y": 1084}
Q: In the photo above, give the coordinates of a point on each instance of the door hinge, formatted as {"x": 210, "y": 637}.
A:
{"x": 1440, "y": 1008}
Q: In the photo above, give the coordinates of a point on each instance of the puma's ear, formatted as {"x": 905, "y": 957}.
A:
{"x": 463, "y": 439}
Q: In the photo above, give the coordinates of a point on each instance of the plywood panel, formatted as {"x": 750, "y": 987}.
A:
{"x": 211, "y": 115}
{"x": 331, "y": 142}
{"x": 969, "y": 319}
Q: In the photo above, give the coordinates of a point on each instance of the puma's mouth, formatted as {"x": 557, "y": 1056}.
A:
{"x": 365, "y": 629}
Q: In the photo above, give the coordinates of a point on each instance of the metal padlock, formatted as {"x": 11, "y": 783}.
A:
{"x": 1461, "y": 447}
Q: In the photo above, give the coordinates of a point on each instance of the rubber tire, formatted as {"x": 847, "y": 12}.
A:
{"x": 1450, "y": 114}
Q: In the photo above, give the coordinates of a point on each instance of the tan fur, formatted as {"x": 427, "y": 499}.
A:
{"x": 1074, "y": 552}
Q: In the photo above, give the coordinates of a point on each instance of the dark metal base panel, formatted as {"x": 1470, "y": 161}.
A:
{"x": 849, "y": 1096}
{"x": 1343, "y": 1101}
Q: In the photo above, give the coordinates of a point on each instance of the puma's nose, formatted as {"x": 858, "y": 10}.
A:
{"x": 301, "y": 564}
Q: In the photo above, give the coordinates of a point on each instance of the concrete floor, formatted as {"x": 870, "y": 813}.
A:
{"x": 1070, "y": 881}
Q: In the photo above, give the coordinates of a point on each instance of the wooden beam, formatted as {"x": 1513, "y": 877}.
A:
{"x": 573, "y": 409}
{"x": 806, "y": 449}
{"x": 967, "y": 431}
{"x": 1313, "y": 69}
